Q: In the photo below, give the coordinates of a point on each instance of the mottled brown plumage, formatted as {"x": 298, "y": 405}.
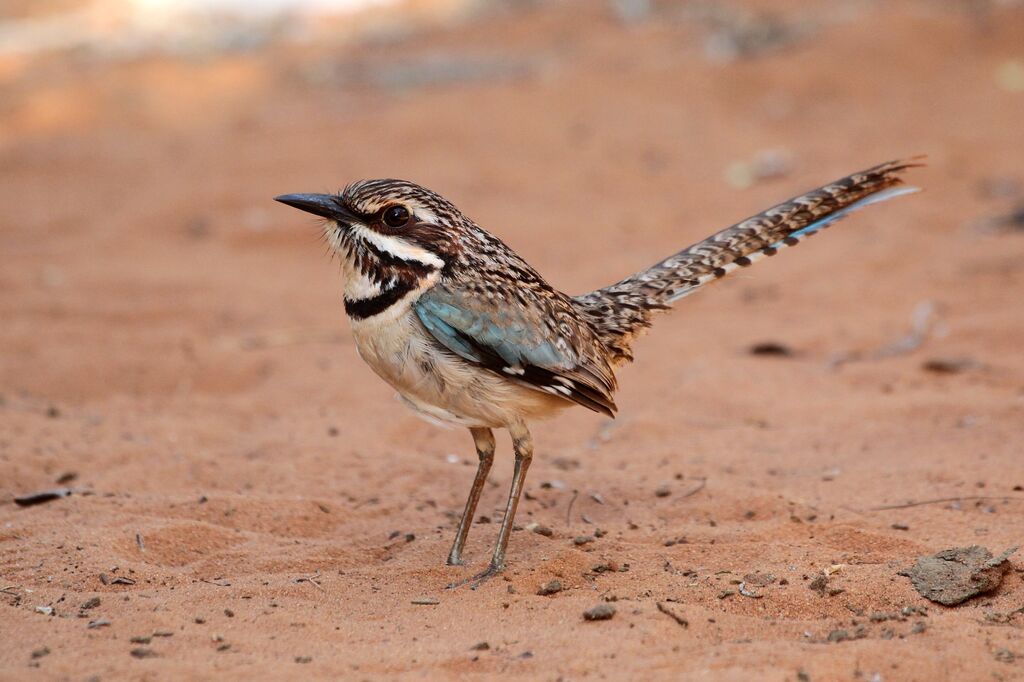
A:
{"x": 469, "y": 333}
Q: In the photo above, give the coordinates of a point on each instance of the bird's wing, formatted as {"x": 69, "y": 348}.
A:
{"x": 538, "y": 345}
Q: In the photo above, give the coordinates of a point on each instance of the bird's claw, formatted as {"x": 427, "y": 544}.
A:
{"x": 478, "y": 579}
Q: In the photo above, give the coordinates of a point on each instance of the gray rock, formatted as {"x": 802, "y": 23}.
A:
{"x": 953, "y": 576}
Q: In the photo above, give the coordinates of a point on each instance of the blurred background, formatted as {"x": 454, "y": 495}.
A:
{"x": 170, "y": 334}
{"x": 141, "y": 140}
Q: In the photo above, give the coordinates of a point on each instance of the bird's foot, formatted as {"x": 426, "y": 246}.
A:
{"x": 480, "y": 578}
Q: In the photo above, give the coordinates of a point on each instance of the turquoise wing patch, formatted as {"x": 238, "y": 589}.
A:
{"x": 502, "y": 340}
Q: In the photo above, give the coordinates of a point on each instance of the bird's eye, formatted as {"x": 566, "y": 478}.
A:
{"x": 396, "y": 216}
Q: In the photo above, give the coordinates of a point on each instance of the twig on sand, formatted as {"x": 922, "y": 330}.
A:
{"x": 673, "y": 615}
{"x": 940, "y": 500}
{"x": 603, "y": 434}
{"x": 700, "y": 486}
{"x": 42, "y": 496}
{"x": 924, "y": 322}
{"x": 568, "y": 510}
{"x": 311, "y": 579}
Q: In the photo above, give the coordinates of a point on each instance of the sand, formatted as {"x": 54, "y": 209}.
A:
{"x": 250, "y": 501}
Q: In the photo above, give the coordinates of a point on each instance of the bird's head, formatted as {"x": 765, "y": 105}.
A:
{"x": 384, "y": 228}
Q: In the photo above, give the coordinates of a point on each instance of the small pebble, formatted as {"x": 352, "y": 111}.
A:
{"x": 67, "y": 477}
{"x": 773, "y": 348}
{"x": 582, "y": 539}
{"x": 949, "y": 365}
{"x": 599, "y": 612}
{"x": 551, "y": 587}
{"x": 747, "y": 592}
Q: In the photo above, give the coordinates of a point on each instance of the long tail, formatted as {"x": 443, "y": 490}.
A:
{"x": 620, "y": 311}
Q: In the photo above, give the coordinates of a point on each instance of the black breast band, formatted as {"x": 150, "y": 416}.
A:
{"x": 375, "y": 305}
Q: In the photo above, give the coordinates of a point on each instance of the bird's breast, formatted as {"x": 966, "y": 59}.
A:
{"x": 439, "y": 384}
{"x": 400, "y": 352}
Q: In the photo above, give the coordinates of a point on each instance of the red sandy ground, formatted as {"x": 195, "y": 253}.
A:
{"x": 188, "y": 334}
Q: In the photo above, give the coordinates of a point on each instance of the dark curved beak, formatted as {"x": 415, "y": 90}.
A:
{"x": 323, "y": 205}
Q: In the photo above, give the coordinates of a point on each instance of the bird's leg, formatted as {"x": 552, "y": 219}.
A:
{"x": 522, "y": 443}
{"x": 484, "y": 440}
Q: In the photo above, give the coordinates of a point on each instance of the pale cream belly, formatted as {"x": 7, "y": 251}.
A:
{"x": 439, "y": 384}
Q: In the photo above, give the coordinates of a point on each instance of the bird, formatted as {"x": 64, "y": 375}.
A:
{"x": 470, "y": 334}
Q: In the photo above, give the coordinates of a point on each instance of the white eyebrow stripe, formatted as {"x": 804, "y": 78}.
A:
{"x": 397, "y": 247}
{"x": 424, "y": 214}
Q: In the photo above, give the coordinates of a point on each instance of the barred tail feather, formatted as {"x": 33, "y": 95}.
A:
{"x": 790, "y": 240}
{"x": 620, "y": 311}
